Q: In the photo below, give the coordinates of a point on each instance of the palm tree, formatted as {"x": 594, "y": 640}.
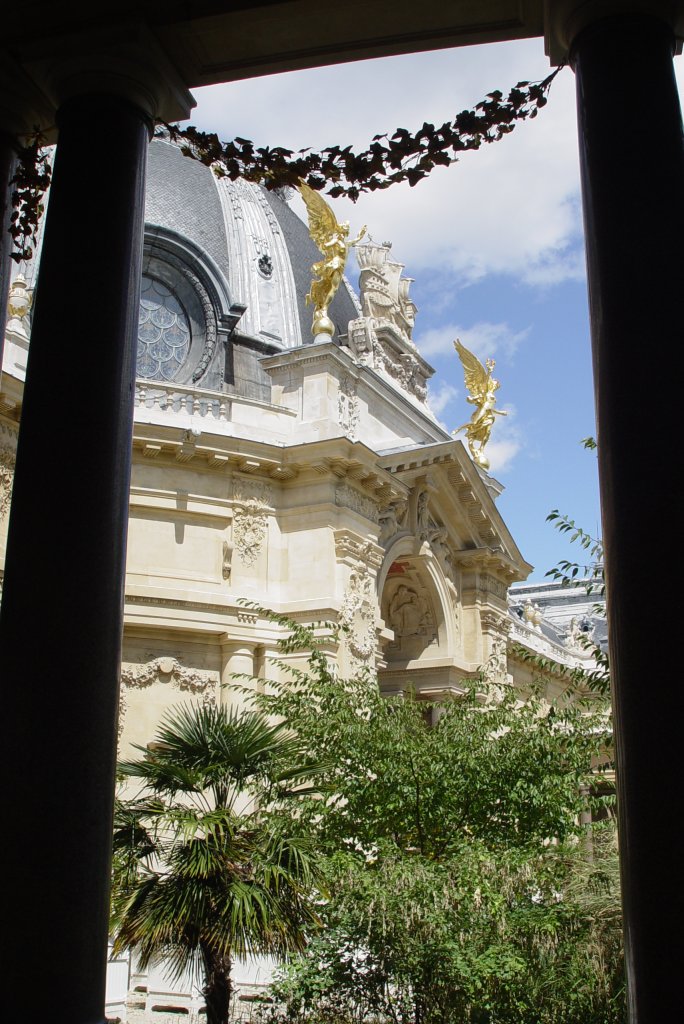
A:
{"x": 202, "y": 871}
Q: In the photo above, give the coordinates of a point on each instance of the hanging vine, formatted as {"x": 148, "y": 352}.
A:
{"x": 29, "y": 184}
{"x": 388, "y": 160}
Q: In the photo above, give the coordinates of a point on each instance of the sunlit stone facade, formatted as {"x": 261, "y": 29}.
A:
{"x": 311, "y": 479}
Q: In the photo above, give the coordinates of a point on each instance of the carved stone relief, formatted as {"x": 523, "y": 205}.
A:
{"x": 7, "y": 463}
{"x": 398, "y": 360}
{"x": 356, "y": 551}
{"x": 349, "y": 497}
{"x": 407, "y": 612}
{"x": 348, "y": 407}
{"x": 250, "y": 522}
{"x": 496, "y": 667}
{"x": 358, "y": 615}
{"x": 491, "y": 585}
{"x": 384, "y": 292}
{"x": 392, "y": 520}
{"x": 164, "y": 670}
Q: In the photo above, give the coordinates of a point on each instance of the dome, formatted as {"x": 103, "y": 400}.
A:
{"x": 223, "y": 260}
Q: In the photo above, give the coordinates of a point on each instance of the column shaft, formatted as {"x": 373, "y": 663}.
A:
{"x": 632, "y": 163}
{"x": 62, "y": 610}
{"x": 237, "y": 659}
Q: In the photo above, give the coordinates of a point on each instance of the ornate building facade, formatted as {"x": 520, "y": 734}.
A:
{"x": 311, "y": 479}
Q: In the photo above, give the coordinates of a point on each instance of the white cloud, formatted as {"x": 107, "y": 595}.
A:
{"x": 484, "y": 339}
{"x": 501, "y": 453}
{"x": 440, "y": 398}
{"x": 512, "y": 207}
{"x": 507, "y": 441}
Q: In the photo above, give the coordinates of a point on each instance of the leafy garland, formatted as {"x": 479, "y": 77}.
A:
{"x": 29, "y": 184}
{"x": 388, "y": 160}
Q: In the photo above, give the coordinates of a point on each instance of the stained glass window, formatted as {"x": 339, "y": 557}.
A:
{"x": 163, "y": 332}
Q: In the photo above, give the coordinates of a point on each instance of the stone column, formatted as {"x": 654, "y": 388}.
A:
{"x": 61, "y": 619}
{"x": 62, "y": 610}
{"x": 237, "y": 659}
{"x": 632, "y": 163}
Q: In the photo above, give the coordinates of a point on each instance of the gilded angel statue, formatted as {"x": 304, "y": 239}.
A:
{"x": 331, "y": 239}
{"x": 482, "y": 387}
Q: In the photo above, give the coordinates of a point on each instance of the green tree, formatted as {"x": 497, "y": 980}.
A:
{"x": 453, "y": 844}
{"x": 202, "y": 871}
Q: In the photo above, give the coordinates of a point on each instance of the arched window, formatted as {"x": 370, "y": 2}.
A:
{"x": 163, "y": 332}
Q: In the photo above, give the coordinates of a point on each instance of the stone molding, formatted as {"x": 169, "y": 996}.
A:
{"x": 164, "y": 670}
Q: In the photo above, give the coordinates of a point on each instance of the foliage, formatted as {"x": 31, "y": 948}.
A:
{"x": 389, "y": 159}
{"x": 591, "y": 576}
{"x": 567, "y": 572}
{"x": 452, "y": 844}
{"x": 482, "y": 937}
{"x": 201, "y": 872}
{"x": 29, "y": 184}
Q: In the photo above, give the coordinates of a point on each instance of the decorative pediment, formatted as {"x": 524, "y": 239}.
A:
{"x": 452, "y": 513}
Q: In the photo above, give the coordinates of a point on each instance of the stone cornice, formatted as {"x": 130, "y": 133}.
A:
{"x": 338, "y": 458}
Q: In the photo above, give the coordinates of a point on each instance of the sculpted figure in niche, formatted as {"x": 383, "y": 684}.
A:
{"x": 391, "y": 520}
{"x": 422, "y": 515}
{"x": 407, "y": 612}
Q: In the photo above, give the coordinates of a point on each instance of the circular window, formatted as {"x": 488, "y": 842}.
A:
{"x": 163, "y": 332}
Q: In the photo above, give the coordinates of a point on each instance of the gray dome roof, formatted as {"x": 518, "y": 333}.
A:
{"x": 250, "y": 242}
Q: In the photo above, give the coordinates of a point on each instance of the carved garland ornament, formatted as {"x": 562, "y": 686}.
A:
{"x": 164, "y": 670}
{"x": 250, "y": 524}
{"x": 358, "y": 614}
{"x": 7, "y": 462}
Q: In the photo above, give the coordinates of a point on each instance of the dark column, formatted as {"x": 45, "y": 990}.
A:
{"x": 632, "y": 160}
{"x": 61, "y": 621}
{"x": 7, "y": 165}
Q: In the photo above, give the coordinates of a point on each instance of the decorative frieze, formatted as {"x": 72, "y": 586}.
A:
{"x": 349, "y": 497}
{"x": 491, "y": 585}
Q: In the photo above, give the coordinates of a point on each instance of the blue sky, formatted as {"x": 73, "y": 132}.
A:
{"x": 494, "y": 243}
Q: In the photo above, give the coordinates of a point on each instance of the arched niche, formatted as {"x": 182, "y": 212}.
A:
{"x": 419, "y": 606}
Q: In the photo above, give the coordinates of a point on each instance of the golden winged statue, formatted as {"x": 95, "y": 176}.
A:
{"x": 482, "y": 387}
{"x": 331, "y": 239}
